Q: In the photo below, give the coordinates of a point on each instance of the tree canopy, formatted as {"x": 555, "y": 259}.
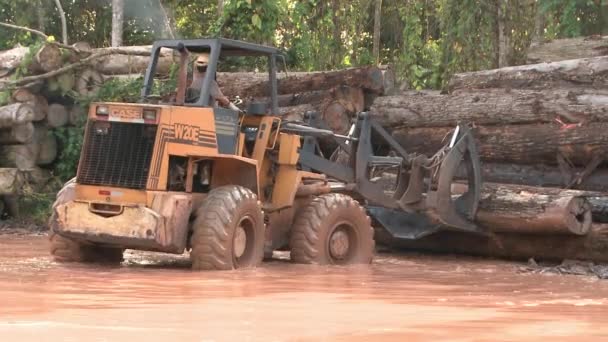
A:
{"x": 425, "y": 40}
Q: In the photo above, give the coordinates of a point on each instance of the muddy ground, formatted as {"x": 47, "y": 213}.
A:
{"x": 153, "y": 297}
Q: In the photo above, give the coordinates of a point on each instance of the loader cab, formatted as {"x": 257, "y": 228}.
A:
{"x": 219, "y": 50}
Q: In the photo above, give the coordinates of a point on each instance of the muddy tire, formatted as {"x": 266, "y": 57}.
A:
{"x": 332, "y": 229}
{"x": 228, "y": 230}
{"x": 68, "y": 250}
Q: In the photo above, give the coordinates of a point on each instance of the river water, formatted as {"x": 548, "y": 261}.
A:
{"x": 155, "y": 297}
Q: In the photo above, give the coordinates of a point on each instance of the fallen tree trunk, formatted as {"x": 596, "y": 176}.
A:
{"x": 14, "y": 114}
{"x": 587, "y": 72}
{"x": 520, "y": 144}
{"x": 22, "y": 157}
{"x": 46, "y": 59}
{"x": 57, "y": 115}
{"x": 541, "y": 176}
{"x": 491, "y": 107}
{"x": 134, "y": 63}
{"x": 593, "y": 246}
{"x": 77, "y": 115}
{"x": 17, "y": 134}
{"x": 38, "y": 103}
{"x": 568, "y": 48}
{"x": 520, "y": 209}
{"x": 11, "y": 181}
{"x": 371, "y": 79}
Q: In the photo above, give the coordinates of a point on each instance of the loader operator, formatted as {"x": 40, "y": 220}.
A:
{"x": 217, "y": 97}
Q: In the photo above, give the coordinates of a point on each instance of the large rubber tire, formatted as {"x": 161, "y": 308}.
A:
{"x": 225, "y": 215}
{"x": 321, "y": 229}
{"x": 68, "y": 250}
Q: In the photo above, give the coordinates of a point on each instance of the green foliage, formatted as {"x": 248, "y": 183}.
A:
{"x": 574, "y": 18}
{"x": 69, "y": 143}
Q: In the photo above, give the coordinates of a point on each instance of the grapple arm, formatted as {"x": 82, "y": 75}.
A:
{"x": 424, "y": 184}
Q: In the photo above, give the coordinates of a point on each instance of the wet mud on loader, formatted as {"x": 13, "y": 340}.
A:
{"x": 179, "y": 174}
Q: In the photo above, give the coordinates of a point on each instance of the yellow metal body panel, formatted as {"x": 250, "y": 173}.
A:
{"x": 163, "y": 226}
{"x": 288, "y": 150}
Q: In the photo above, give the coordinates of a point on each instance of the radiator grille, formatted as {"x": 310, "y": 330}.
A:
{"x": 117, "y": 154}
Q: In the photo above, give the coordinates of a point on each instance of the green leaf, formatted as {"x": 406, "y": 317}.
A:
{"x": 256, "y": 21}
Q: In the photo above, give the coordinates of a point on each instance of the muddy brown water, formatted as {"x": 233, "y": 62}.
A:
{"x": 154, "y": 297}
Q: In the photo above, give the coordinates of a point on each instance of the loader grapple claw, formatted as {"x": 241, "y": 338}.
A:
{"x": 423, "y": 187}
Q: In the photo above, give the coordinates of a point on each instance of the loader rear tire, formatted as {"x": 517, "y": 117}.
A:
{"x": 332, "y": 229}
{"x": 228, "y": 230}
{"x": 67, "y": 250}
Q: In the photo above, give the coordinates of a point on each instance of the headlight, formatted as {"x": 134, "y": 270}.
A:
{"x": 102, "y": 110}
{"x": 149, "y": 114}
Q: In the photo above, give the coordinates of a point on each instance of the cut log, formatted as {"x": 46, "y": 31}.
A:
{"x": 57, "y": 115}
{"x": 62, "y": 83}
{"x": 11, "y": 181}
{"x": 11, "y": 59}
{"x": 491, "y": 107}
{"x": 77, "y": 115}
{"x": 47, "y": 147}
{"x": 593, "y": 246}
{"x": 520, "y": 209}
{"x": 17, "y": 134}
{"x": 587, "y": 72}
{"x": 49, "y": 58}
{"x": 295, "y": 113}
{"x": 568, "y": 48}
{"x": 22, "y": 157}
{"x": 37, "y": 102}
{"x": 371, "y": 79}
{"x": 542, "y": 176}
{"x": 521, "y": 144}
{"x": 14, "y": 114}
{"x": 88, "y": 82}
{"x": 132, "y": 64}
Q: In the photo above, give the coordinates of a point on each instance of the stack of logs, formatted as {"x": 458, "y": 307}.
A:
{"x": 542, "y": 136}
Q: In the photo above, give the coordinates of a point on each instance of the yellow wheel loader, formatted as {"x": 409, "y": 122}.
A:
{"x": 230, "y": 186}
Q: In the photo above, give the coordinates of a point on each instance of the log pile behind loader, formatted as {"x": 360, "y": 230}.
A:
{"x": 542, "y": 136}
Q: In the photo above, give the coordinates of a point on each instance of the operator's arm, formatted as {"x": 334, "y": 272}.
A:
{"x": 217, "y": 94}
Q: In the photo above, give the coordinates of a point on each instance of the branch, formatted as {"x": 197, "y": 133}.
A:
{"x": 107, "y": 51}
{"x": 22, "y": 28}
{"x": 64, "y": 28}
{"x": 42, "y": 35}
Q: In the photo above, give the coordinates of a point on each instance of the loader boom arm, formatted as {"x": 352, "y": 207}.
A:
{"x": 423, "y": 184}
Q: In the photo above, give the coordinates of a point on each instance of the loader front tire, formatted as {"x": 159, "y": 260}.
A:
{"x": 332, "y": 229}
{"x": 228, "y": 230}
{"x": 67, "y": 250}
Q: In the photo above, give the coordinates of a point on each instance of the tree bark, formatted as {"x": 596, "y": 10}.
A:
{"x": 17, "y": 134}
{"x": 568, "y": 48}
{"x": 120, "y": 64}
{"x": 118, "y": 7}
{"x": 371, "y": 79}
{"x": 88, "y": 83}
{"x": 509, "y": 208}
{"x": 57, "y": 116}
{"x": 491, "y": 107}
{"x": 541, "y": 176}
{"x": 23, "y": 157}
{"x": 377, "y": 29}
{"x": 64, "y": 28}
{"x": 38, "y": 102}
{"x": 16, "y": 113}
{"x": 520, "y": 144}
{"x": 11, "y": 59}
{"x": 11, "y": 181}
{"x": 47, "y": 147}
{"x": 586, "y": 72}
{"x": 77, "y": 115}
{"x": 593, "y": 246}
